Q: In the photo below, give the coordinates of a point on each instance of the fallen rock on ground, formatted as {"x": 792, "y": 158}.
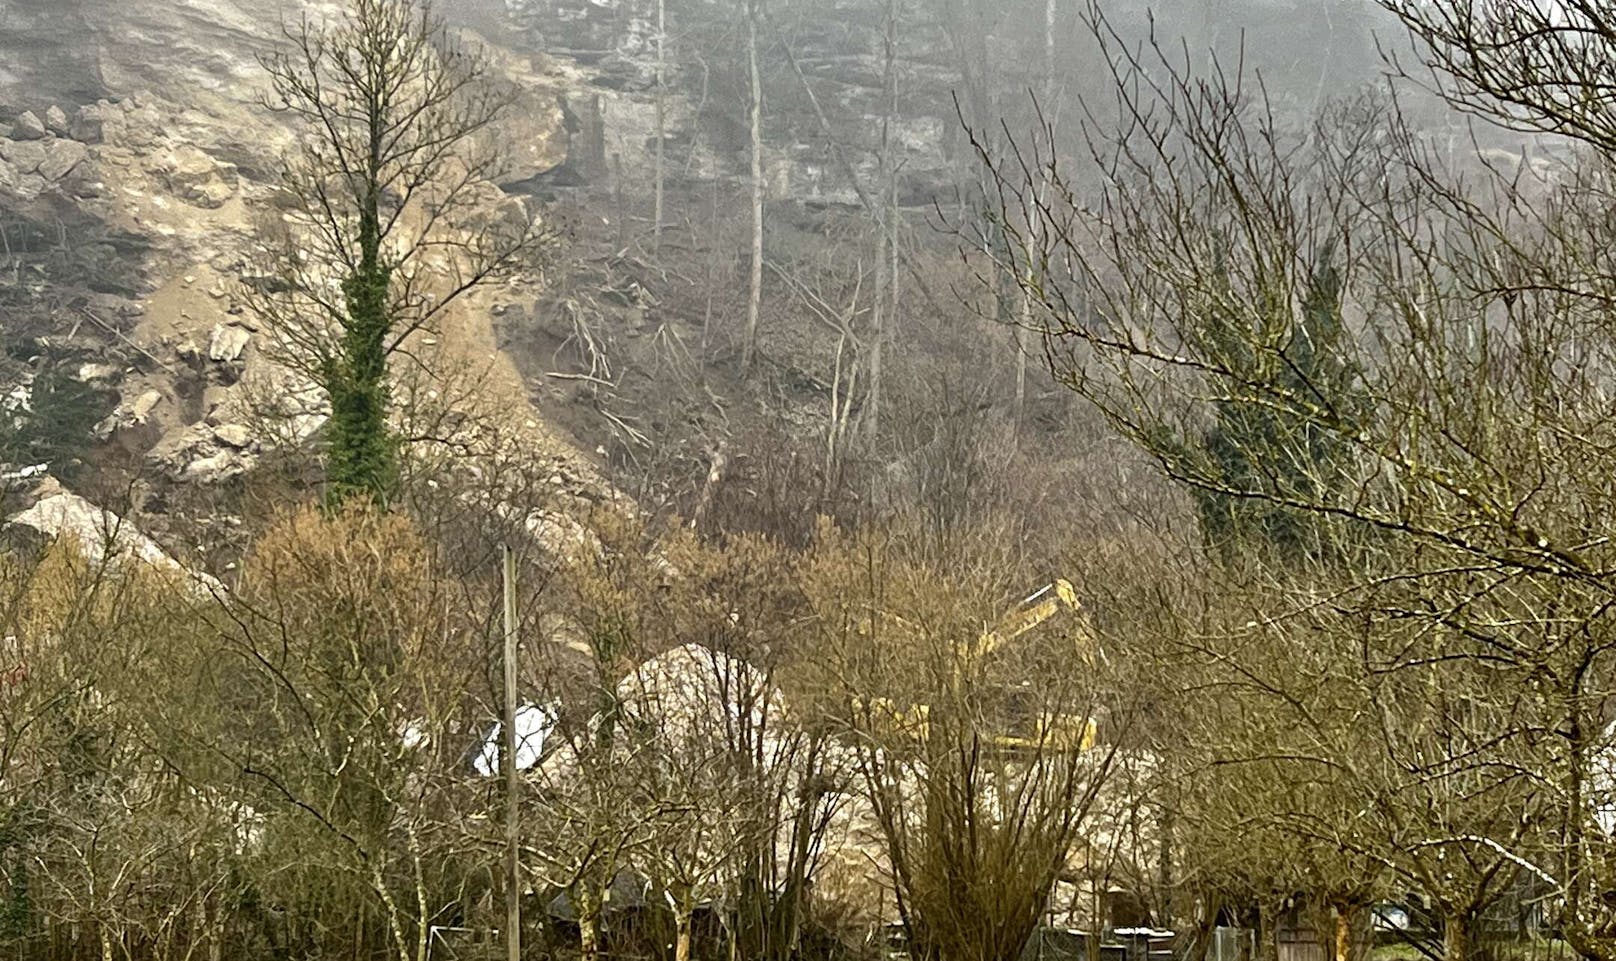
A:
{"x": 101, "y": 535}
{"x": 27, "y": 126}
{"x": 233, "y": 435}
{"x": 227, "y": 343}
{"x": 61, "y": 157}
{"x": 56, "y": 121}
{"x": 197, "y": 178}
{"x": 144, "y": 405}
{"x": 87, "y": 125}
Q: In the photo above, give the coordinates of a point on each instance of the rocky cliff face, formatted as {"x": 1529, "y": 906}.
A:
{"x": 49, "y": 55}
{"x": 607, "y": 49}
{"x": 134, "y": 163}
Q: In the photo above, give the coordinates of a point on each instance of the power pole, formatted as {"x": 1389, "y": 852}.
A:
{"x": 513, "y": 870}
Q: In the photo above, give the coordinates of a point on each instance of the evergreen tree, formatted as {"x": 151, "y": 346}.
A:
{"x": 57, "y": 427}
{"x": 1268, "y": 447}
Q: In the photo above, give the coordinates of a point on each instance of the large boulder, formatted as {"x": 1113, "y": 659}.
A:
{"x": 233, "y": 435}
{"x": 27, "y": 126}
{"x": 87, "y": 125}
{"x": 217, "y": 466}
{"x": 28, "y": 167}
{"x": 102, "y": 536}
{"x": 143, "y": 406}
{"x": 198, "y": 179}
{"x": 203, "y": 454}
{"x": 56, "y": 121}
{"x": 25, "y": 155}
{"x": 61, "y": 158}
{"x": 24, "y": 187}
{"x": 227, "y": 343}
{"x": 11, "y": 182}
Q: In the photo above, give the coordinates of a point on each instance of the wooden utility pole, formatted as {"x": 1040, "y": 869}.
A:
{"x": 507, "y": 757}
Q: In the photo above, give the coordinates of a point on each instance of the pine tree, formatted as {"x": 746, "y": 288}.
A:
{"x": 1271, "y": 448}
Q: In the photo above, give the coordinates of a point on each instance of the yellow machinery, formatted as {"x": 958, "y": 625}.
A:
{"x": 1057, "y": 731}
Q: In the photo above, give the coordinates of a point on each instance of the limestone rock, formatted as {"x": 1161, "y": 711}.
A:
{"x": 29, "y": 186}
{"x": 100, "y": 534}
{"x": 61, "y": 158}
{"x": 227, "y": 343}
{"x": 19, "y": 399}
{"x": 27, "y": 127}
{"x": 10, "y": 180}
{"x": 233, "y": 435}
{"x": 144, "y": 405}
{"x": 215, "y": 467}
{"x": 300, "y": 427}
{"x": 91, "y": 373}
{"x": 199, "y": 179}
{"x": 56, "y": 121}
{"x": 214, "y": 399}
{"x": 87, "y": 126}
{"x": 25, "y": 155}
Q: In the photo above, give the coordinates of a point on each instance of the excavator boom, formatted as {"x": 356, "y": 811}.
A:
{"x": 1056, "y": 731}
{"x": 1038, "y": 607}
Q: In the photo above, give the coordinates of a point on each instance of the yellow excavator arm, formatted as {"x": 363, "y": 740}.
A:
{"x": 1057, "y": 731}
{"x": 1035, "y": 609}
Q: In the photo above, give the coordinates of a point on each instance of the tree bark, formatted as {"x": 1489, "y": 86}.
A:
{"x": 1455, "y": 936}
{"x": 681, "y": 943}
{"x": 661, "y": 120}
{"x": 1343, "y": 932}
{"x": 718, "y": 460}
{"x": 1267, "y": 933}
{"x": 886, "y": 290}
{"x": 587, "y": 902}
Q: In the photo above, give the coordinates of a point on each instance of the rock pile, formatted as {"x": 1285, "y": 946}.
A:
{"x": 38, "y": 156}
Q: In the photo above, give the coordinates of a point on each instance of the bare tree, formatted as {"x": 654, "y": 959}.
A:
{"x": 886, "y": 251}
{"x": 394, "y": 214}
{"x": 1474, "y": 341}
{"x": 754, "y": 296}
{"x": 979, "y": 778}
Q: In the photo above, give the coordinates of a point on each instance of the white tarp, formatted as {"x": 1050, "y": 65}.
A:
{"x": 533, "y": 727}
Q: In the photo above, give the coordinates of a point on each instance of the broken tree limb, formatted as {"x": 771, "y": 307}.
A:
{"x": 123, "y": 337}
{"x": 715, "y": 476}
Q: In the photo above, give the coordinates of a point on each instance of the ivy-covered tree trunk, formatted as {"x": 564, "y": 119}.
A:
{"x": 362, "y": 451}
{"x": 363, "y": 454}
{"x": 1259, "y": 457}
